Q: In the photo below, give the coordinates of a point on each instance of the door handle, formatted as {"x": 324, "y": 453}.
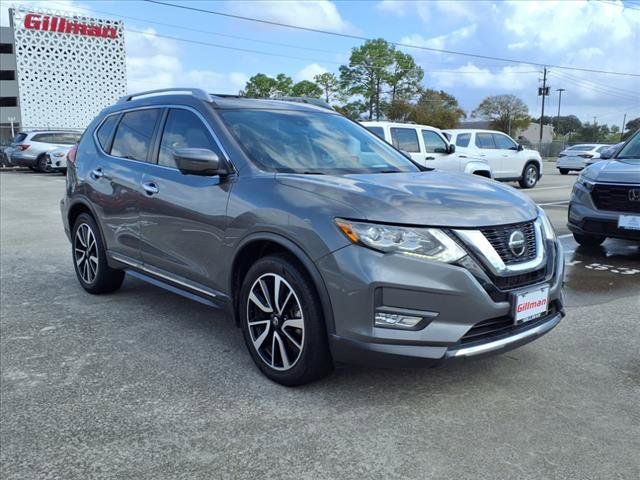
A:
{"x": 97, "y": 173}
{"x": 150, "y": 188}
{"x": 430, "y": 158}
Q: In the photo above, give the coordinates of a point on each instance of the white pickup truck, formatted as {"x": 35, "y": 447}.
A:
{"x": 429, "y": 147}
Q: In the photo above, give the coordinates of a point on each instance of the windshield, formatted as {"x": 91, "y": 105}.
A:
{"x": 630, "y": 153}
{"x": 312, "y": 142}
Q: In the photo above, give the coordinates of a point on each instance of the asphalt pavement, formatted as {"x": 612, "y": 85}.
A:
{"x": 144, "y": 384}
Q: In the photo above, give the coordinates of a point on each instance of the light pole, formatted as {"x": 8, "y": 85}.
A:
{"x": 11, "y": 120}
{"x": 559, "y": 90}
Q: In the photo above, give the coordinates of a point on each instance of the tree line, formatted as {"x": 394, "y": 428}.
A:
{"x": 382, "y": 82}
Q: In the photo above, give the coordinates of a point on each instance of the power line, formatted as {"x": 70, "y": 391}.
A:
{"x": 406, "y": 45}
{"x": 601, "y": 85}
{"x": 595, "y": 88}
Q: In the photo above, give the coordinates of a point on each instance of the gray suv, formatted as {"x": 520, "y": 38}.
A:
{"x": 322, "y": 241}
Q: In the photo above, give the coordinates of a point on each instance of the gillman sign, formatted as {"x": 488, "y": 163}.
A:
{"x": 52, "y": 23}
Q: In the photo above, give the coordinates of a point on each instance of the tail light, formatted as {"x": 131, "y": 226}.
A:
{"x": 585, "y": 155}
{"x": 22, "y": 147}
{"x": 71, "y": 155}
{"x": 562, "y": 155}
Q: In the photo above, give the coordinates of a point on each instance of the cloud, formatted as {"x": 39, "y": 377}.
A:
{"x": 321, "y": 14}
{"x": 427, "y": 10}
{"x": 442, "y": 41}
{"x": 59, "y": 6}
{"x": 510, "y": 78}
{"x": 308, "y": 72}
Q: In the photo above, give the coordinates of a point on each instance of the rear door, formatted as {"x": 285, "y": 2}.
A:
{"x": 488, "y": 151}
{"x": 512, "y": 161}
{"x": 435, "y": 148}
{"x": 183, "y": 217}
{"x": 114, "y": 177}
{"x": 406, "y": 139}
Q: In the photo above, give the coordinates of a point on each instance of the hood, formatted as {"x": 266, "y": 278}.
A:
{"x": 613, "y": 171}
{"x": 433, "y": 198}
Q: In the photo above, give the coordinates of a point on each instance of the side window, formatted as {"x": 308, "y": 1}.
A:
{"x": 67, "y": 138}
{"x": 462, "y": 140}
{"x": 183, "y": 129}
{"x": 379, "y": 131}
{"x": 433, "y": 143}
{"x": 43, "y": 137}
{"x": 503, "y": 142}
{"x": 133, "y": 136}
{"x": 405, "y": 139}
{"x": 105, "y": 132}
{"x": 484, "y": 140}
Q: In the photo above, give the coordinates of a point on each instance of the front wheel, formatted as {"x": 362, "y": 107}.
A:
{"x": 589, "y": 241}
{"x": 42, "y": 166}
{"x": 529, "y": 176}
{"x": 282, "y": 322}
{"x": 563, "y": 171}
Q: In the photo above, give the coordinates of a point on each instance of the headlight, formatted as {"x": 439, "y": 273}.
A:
{"x": 428, "y": 243}
{"x": 547, "y": 228}
{"x": 588, "y": 184}
{"x": 59, "y": 154}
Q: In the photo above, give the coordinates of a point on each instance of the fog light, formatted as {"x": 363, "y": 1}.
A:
{"x": 396, "y": 320}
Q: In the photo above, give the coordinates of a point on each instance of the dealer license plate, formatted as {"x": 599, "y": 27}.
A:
{"x": 530, "y": 304}
{"x": 629, "y": 222}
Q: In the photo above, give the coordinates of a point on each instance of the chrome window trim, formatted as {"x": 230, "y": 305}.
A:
{"x": 480, "y": 246}
{"x": 160, "y": 107}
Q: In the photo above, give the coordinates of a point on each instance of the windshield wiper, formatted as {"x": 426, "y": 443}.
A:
{"x": 308, "y": 172}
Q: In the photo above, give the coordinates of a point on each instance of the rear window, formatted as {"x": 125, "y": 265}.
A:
{"x": 134, "y": 134}
{"x": 484, "y": 140}
{"x": 580, "y": 147}
{"x": 379, "y": 131}
{"x": 604, "y": 147}
{"x": 19, "y": 138}
{"x": 405, "y": 139}
{"x": 105, "y": 132}
{"x": 462, "y": 140}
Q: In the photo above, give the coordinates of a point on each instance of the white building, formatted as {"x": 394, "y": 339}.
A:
{"x": 60, "y": 69}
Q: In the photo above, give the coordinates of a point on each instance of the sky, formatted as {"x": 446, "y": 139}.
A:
{"x": 594, "y": 34}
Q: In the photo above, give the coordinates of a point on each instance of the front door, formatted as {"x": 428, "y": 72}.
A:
{"x": 406, "y": 139}
{"x": 435, "y": 148}
{"x": 488, "y": 151}
{"x": 183, "y": 219}
{"x": 512, "y": 163}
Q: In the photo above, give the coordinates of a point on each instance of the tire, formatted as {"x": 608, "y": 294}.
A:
{"x": 563, "y": 171}
{"x": 41, "y": 164}
{"x": 530, "y": 176}
{"x": 589, "y": 241}
{"x": 90, "y": 260}
{"x": 287, "y": 342}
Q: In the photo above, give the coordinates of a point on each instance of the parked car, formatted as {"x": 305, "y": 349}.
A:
{"x": 323, "y": 242}
{"x": 29, "y": 149}
{"x": 606, "y": 153}
{"x": 4, "y": 159}
{"x": 509, "y": 160}
{"x": 429, "y": 147}
{"x": 576, "y": 157}
{"x": 605, "y": 201}
{"x": 57, "y": 159}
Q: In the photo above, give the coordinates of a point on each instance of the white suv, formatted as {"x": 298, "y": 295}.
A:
{"x": 29, "y": 149}
{"x": 509, "y": 161}
{"x": 429, "y": 147}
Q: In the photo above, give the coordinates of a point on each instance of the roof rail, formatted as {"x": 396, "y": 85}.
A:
{"x": 196, "y": 92}
{"x": 318, "y": 102}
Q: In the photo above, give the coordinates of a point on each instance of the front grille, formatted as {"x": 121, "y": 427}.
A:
{"x": 614, "y": 198}
{"x": 496, "y": 327}
{"x": 521, "y": 280}
{"x": 498, "y": 237}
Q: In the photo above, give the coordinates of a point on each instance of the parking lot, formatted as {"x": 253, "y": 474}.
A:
{"x": 146, "y": 384}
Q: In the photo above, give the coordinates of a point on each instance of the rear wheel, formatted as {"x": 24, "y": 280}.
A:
{"x": 90, "y": 260}
{"x": 589, "y": 241}
{"x": 282, "y": 322}
{"x": 530, "y": 176}
{"x": 563, "y": 171}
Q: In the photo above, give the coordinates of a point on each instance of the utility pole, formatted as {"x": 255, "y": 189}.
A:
{"x": 543, "y": 91}
{"x": 624, "y": 122}
{"x": 559, "y": 90}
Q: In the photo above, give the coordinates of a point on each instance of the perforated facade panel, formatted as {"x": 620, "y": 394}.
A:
{"x": 68, "y": 67}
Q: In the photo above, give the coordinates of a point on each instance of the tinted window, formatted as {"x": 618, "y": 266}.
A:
{"x": 7, "y": 75}
{"x": 405, "y": 139}
{"x": 311, "y": 142}
{"x": 462, "y": 140}
{"x": 580, "y": 147}
{"x": 105, "y": 131}
{"x": 133, "y": 136}
{"x": 433, "y": 143}
{"x": 44, "y": 138}
{"x": 379, "y": 131}
{"x": 183, "y": 130}
{"x": 503, "y": 142}
{"x": 6, "y": 48}
{"x": 19, "y": 137}
{"x": 8, "y": 101}
{"x": 484, "y": 140}
{"x": 67, "y": 138}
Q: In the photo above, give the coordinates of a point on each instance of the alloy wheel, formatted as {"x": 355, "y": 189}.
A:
{"x": 275, "y": 321}
{"x": 85, "y": 252}
{"x": 531, "y": 176}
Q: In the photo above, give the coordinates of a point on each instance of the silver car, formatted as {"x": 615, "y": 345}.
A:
{"x": 575, "y": 158}
{"x": 29, "y": 149}
{"x": 57, "y": 159}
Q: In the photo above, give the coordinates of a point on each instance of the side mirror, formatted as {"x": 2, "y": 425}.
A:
{"x": 198, "y": 161}
{"x": 606, "y": 154}
{"x": 451, "y": 148}
{"x": 520, "y": 147}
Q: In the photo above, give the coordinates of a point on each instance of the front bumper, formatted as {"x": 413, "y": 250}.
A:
{"x": 360, "y": 280}
{"x": 585, "y": 219}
